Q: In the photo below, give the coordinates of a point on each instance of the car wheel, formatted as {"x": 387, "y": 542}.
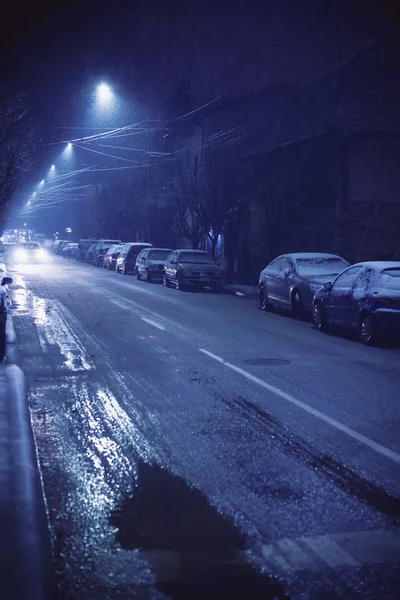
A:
{"x": 297, "y": 305}
{"x": 165, "y": 281}
{"x": 148, "y": 276}
{"x": 138, "y": 275}
{"x": 318, "y": 317}
{"x": 367, "y": 330}
{"x": 264, "y": 303}
{"x": 179, "y": 283}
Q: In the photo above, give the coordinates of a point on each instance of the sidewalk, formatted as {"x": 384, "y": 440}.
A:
{"x": 25, "y": 552}
{"x": 248, "y": 291}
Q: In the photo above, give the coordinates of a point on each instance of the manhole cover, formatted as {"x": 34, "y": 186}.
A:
{"x": 269, "y": 362}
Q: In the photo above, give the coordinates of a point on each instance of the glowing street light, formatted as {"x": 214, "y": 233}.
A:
{"x": 42, "y": 182}
{"x": 34, "y": 194}
{"x": 53, "y": 167}
{"x": 104, "y": 94}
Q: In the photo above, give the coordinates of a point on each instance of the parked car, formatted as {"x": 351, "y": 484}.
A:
{"x": 150, "y": 263}
{"x": 58, "y": 244}
{"x": 291, "y": 280}
{"x": 30, "y": 252}
{"x": 185, "y": 268}
{"x": 3, "y": 314}
{"x": 110, "y": 258}
{"x": 88, "y": 255}
{"x": 83, "y": 247}
{"x": 100, "y": 250}
{"x": 127, "y": 258}
{"x": 69, "y": 250}
{"x": 365, "y": 298}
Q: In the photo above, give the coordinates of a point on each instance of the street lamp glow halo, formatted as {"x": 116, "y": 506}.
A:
{"x": 104, "y": 93}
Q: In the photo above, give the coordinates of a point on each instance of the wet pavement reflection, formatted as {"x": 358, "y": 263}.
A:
{"x": 193, "y": 551}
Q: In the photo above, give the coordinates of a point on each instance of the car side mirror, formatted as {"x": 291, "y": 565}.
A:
{"x": 286, "y": 272}
{"x": 328, "y": 285}
{"x": 6, "y": 281}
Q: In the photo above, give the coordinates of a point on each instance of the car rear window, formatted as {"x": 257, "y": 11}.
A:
{"x": 390, "y": 279}
{"x": 134, "y": 251}
{"x": 159, "y": 254}
{"x": 320, "y": 266}
{"x": 196, "y": 257}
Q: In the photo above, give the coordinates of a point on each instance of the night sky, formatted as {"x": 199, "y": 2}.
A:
{"x": 55, "y": 52}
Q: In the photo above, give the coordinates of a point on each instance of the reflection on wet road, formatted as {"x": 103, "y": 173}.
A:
{"x": 169, "y": 476}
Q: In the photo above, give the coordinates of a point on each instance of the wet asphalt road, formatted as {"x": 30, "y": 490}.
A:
{"x": 194, "y": 447}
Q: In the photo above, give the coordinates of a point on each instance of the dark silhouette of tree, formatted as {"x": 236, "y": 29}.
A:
{"x": 16, "y": 144}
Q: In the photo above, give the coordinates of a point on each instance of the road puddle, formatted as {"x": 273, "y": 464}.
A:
{"x": 192, "y": 550}
{"x": 55, "y": 334}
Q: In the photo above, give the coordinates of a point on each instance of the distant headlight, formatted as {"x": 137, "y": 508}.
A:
{"x": 20, "y": 254}
{"x": 41, "y": 253}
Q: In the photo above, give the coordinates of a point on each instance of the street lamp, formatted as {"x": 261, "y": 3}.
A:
{"x": 42, "y": 182}
{"x": 104, "y": 94}
{"x": 52, "y": 167}
{"x": 34, "y": 193}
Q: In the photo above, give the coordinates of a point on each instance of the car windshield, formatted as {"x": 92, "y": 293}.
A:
{"x": 320, "y": 265}
{"x": 31, "y": 246}
{"x": 159, "y": 254}
{"x": 390, "y": 279}
{"x": 195, "y": 257}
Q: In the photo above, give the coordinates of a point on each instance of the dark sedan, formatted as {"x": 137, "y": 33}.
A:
{"x": 127, "y": 259}
{"x": 365, "y": 297}
{"x": 291, "y": 280}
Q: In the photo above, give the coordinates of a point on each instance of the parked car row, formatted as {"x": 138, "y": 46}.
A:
{"x": 364, "y": 297}
{"x": 181, "y": 268}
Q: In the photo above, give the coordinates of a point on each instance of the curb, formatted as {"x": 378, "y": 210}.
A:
{"x": 26, "y": 571}
{"x": 10, "y": 331}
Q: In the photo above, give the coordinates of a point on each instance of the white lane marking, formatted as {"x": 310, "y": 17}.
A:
{"x": 121, "y": 304}
{"x": 323, "y": 417}
{"x": 151, "y": 322}
{"x": 337, "y": 550}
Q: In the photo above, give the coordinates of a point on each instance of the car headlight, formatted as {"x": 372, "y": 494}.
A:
{"x": 20, "y": 254}
{"x": 41, "y": 253}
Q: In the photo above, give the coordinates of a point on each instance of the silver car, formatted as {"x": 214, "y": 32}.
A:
{"x": 291, "y": 280}
{"x": 185, "y": 268}
{"x": 150, "y": 263}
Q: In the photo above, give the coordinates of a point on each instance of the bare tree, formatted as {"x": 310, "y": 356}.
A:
{"x": 16, "y": 143}
{"x": 225, "y": 189}
{"x": 186, "y": 191}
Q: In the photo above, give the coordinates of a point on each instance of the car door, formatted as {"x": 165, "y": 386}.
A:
{"x": 339, "y": 308}
{"x": 169, "y": 273}
{"x": 361, "y": 289}
{"x": 284, "y": 281}
{"x": 142, "y": 262}
{"x": 270, "y": 277}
